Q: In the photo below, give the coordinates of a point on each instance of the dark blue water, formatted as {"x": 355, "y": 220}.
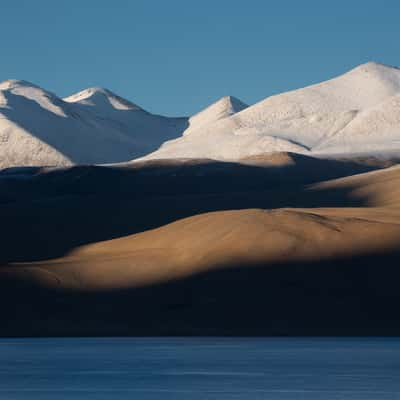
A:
{"x": 186, "y": 368}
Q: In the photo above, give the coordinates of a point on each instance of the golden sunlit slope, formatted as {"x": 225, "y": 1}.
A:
{"x": 240, "y": 269}
{"x": 220, "y": 239}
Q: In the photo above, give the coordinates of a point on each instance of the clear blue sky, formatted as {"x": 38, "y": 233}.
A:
{"x": 175, "y": 57}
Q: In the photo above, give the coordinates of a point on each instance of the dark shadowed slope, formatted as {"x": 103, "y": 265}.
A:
{"x": 46, "y": 213}
{"x": 252, "y": 271}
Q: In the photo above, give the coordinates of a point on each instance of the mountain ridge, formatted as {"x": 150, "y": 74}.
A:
{"x": 354, "y": 113}
{"x": 298, "y": 120}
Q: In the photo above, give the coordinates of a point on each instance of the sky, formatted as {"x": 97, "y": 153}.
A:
{"x": 175, "y": 57}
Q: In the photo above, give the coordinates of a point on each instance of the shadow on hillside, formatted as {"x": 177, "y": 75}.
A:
{"x": 46, "y": 215}
{"x": 173, "y": 177}
{"x": 348, "y": 296}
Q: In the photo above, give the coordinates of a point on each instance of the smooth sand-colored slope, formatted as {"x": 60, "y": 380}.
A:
{"x": 216, "y": 240}
{"x": 47, "y": 213}
{"x": 248, "y": 236}
{"x": 252, "y": 265}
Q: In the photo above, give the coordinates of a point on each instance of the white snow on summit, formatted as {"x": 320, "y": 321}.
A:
{"x": 357, "y": 112}
{"x": 91, "y": 127}
{"x": 101, "y": 99}
{"x": 224, "y": 107}
{"x": 321, "y": 119}
{"x": 46, "y": 100}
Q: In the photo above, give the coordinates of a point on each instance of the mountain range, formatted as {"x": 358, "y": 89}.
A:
{"x": 280, "y": 218}
{"x": 90, "y": 127}
{"x": 357, "y": 113}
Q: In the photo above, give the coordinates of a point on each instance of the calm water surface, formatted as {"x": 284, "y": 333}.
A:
{"x": 199, "y": 368}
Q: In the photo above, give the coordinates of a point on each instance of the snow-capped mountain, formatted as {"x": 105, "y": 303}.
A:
{"x": 224, "y": 107}
{"x": 358, "y": 112}
{"x": 93, "y": 126}
{"x": 355, "y": 113}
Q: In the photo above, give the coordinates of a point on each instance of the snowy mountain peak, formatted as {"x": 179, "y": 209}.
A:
{"x": 93, "y": 126}
{"x": 232, "y": 104}
{"x": 356, "y": 112}
{"x": 101, "y": 98}
{"x": 225, "y": 106}
{"x": 222, "y": 108}
{"x": 14, "y": 83}
{"x": 384, "y": 75}
{"x": 374, "y": 66}
{"x": 23, "y": 96}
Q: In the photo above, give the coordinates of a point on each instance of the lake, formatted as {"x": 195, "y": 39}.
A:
{"x": 200, "y": 368}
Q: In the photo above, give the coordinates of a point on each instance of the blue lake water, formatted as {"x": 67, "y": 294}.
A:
{"x": 199, "y": 368}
